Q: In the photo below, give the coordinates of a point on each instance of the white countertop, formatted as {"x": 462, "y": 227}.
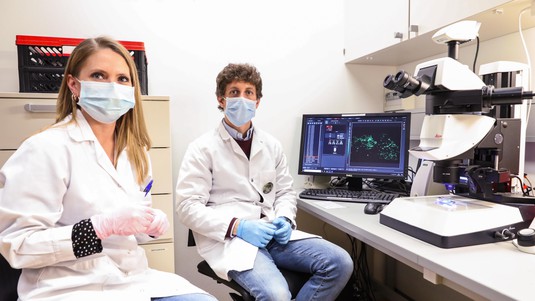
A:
{"x": 496, "y": 271}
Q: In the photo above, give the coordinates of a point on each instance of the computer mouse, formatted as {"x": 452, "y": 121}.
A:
{"x": 373, "y": 208}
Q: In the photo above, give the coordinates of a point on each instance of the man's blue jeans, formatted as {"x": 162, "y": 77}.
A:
{"x": 330, "y": 267}
{"x": 188, "y": 297}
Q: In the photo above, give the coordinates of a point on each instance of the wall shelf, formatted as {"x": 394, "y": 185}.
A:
{"x": 495, "y": 23}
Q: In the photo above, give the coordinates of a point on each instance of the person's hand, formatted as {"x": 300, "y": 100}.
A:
{"x": 159, "y": 224}
{"x": 125, "y": 221}
{"x": 256, "y": 232}
{"x": 284, "y": 230}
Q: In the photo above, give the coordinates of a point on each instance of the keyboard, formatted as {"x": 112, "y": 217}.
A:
{"x": 344, "y": 195}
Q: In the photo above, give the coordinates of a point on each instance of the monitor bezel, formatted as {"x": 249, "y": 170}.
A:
{"x": 353, "y": 174}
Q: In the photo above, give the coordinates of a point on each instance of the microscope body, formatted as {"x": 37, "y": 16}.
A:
{"x": 468, "y": 130}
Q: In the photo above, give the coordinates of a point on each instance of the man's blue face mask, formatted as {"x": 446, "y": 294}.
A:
{"x": 240, "y": 110}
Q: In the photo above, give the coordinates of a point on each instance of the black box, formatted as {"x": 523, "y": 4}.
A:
{"x": 42, "y": 62}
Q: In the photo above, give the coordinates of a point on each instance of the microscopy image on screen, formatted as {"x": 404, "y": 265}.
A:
{"x": 369, "y": 146}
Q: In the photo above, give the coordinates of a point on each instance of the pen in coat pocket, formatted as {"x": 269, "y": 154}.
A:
{"x": 148, "y": 188}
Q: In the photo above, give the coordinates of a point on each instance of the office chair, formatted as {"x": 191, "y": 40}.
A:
{"x": 9, "y": 278}
{"x": 295, "y": 280}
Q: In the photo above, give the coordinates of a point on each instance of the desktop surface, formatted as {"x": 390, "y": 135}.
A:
{"x": 495, "y": 271}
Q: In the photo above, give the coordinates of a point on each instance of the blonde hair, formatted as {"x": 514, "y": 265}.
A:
{"x": 130, "y": 128}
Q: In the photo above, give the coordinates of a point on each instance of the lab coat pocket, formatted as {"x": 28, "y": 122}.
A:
{"x": 266, "y": 185}
{"x": 79, "y": 273}
{"x": 140, "y": 197}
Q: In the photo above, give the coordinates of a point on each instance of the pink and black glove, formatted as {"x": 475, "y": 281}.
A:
{"x": 159, "y": 224}
{"x": 125, "y": 221}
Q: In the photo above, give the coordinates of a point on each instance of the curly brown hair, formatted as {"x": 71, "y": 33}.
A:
{"x": 238, "y": 72}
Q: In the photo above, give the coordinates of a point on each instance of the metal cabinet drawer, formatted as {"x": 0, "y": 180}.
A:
{"x": 161, "y": 256}
{"x": 4, "y": 155}
{"x": 162, "y": 173}
{"x": 28, "y": 115}
{"x": 156, "y": 113}
{"x": 164, "y": 202}
{"x": 17, "y": 123}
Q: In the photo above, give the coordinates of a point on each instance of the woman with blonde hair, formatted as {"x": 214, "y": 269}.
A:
{"x": 76, "y": 199}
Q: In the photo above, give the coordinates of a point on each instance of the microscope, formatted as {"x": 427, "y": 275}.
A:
{"x": 469, "y": 131}
{"x": 471, "y": 136}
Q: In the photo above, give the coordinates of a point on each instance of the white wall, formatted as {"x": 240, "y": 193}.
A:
{"x": 297, "y": 46}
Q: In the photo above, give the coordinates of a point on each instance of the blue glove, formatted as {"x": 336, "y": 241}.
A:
{"x": 256, "y": 232}
{"x": 284, "y": 230}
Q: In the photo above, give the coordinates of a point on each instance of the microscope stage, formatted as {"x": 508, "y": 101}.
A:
{"x": 450, "y": 221}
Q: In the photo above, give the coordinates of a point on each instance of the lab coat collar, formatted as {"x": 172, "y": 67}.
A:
{"x": 256, "y": 145}
{"x": 223, "y": 133}
{"x": 237, "y": 135}
{"x": 81, "y": 131}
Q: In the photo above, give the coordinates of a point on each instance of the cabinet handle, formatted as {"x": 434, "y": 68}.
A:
{"x": 35, "y": 108}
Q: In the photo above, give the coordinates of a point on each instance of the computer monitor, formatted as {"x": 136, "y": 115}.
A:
{"x": 356, "y": 146}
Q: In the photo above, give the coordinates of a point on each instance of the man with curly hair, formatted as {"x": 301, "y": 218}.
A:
{"x": 234, "y": 191}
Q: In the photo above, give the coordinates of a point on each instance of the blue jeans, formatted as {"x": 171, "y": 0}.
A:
{"x": 187, "y": 297}
{"x": 330, "y": 267}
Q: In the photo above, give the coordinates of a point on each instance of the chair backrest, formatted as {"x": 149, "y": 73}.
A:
{"x": 9, "y": 278}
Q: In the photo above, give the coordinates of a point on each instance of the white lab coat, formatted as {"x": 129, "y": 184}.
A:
{"x": 54, "y": 180}
{"x": 217, "y": 182}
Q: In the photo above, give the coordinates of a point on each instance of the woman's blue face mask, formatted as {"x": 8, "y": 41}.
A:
{"x": 106, "y": 101}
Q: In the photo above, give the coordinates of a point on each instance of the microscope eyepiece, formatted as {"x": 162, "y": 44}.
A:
{"x": 406, "y": 84}
{"x": 389, "y": 82}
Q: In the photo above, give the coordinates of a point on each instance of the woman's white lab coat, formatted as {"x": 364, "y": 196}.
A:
{"x": 217, "y": 182}
{"x": 54, "y": 180}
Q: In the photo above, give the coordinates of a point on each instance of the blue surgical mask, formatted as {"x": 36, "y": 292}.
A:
{"x": 240, "y": 110}
{"x": 106, "y": 101}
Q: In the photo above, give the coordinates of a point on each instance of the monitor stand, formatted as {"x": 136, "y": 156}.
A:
{"x": 354, "y": 183}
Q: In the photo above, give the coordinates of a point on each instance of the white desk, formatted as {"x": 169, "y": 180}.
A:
{"x": 492, "y": 271}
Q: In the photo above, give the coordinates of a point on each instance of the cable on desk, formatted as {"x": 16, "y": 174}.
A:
{"x": 525, "y": 189}
{"x": 411, "y": 174}
{"x": 380, "y": 185}
{"x": 396, "y": 186}
{"x": 338, "y": 182}
{"x": 361, "y": 272}
{"x": 530, "y": 187}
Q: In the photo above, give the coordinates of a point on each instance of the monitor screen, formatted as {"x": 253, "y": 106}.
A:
{"x": 357, "y": 146}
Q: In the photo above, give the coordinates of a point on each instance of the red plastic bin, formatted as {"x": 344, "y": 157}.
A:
{"x": 42, "y": 62}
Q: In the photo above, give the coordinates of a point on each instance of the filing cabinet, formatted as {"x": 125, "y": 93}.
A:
{"x": 24, "y": 114}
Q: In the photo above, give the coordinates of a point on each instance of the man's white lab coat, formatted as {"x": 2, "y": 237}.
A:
{"x": 217, "y": 182}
